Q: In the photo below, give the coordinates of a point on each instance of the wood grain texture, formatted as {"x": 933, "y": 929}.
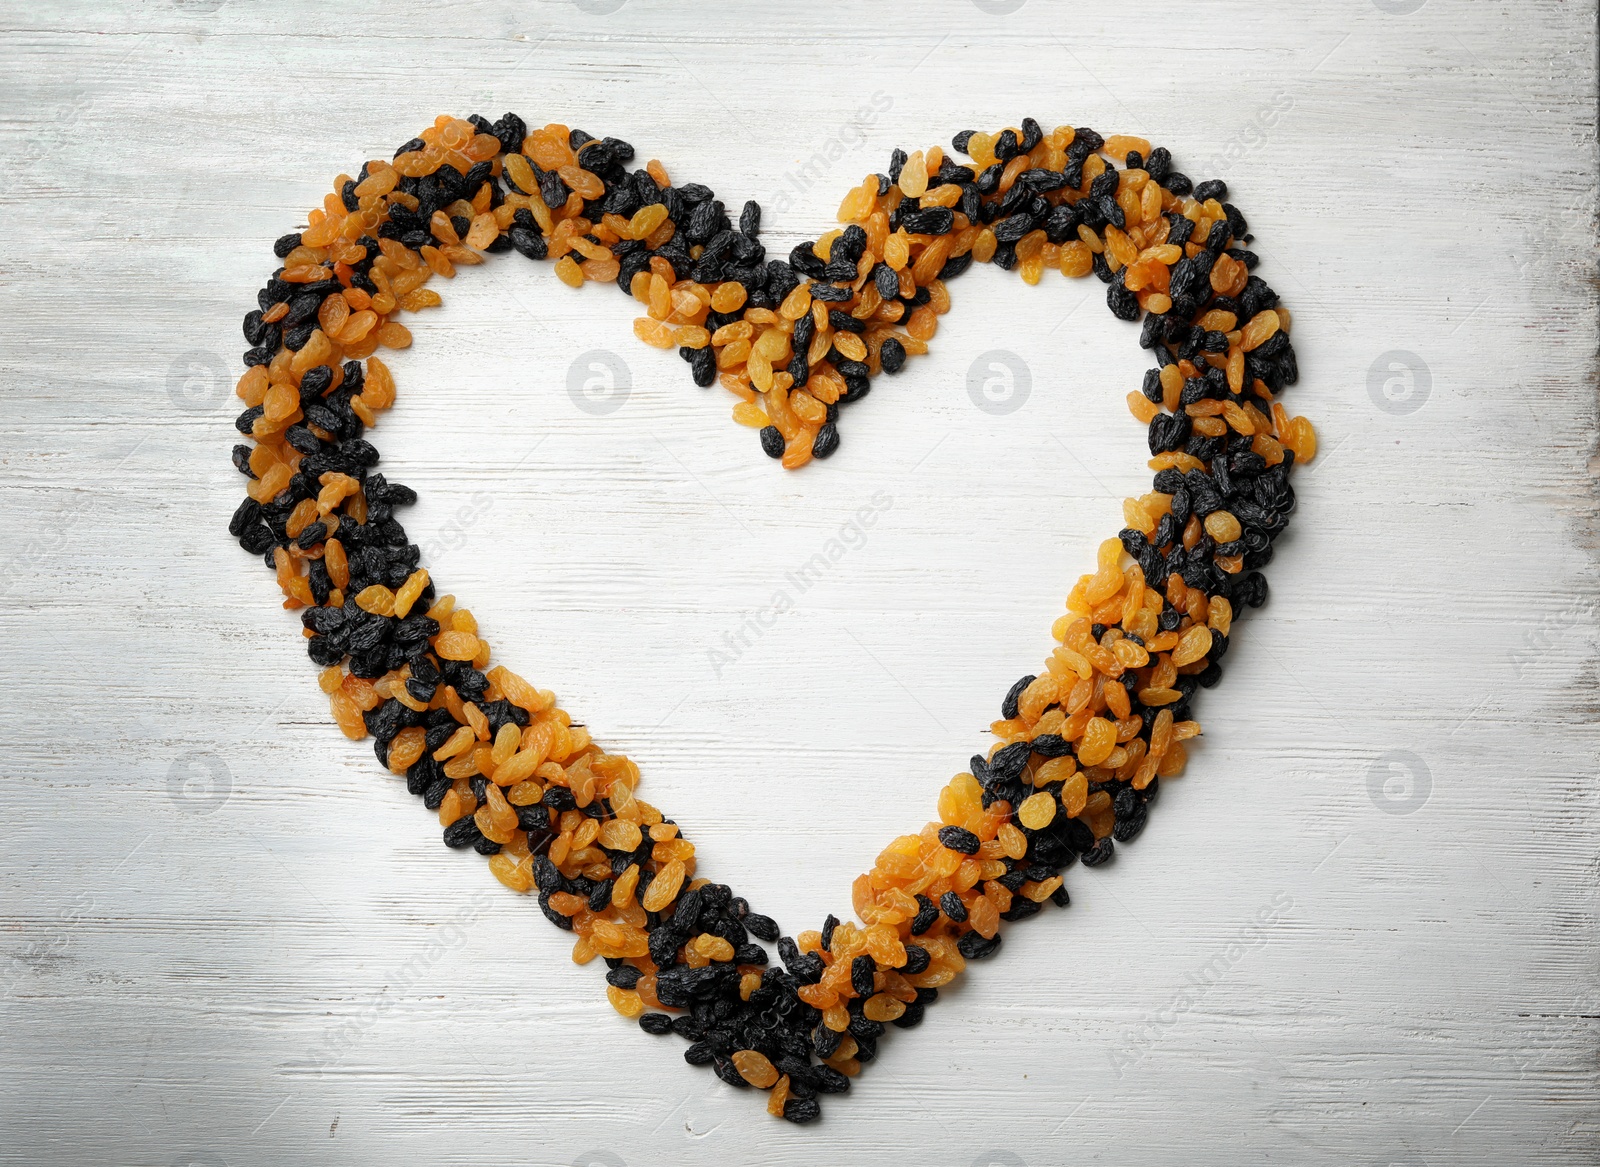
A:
{"x": 1282, "y": 969}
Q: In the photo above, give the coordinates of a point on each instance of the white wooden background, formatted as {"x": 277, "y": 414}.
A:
{"x": 1361, "y": 930}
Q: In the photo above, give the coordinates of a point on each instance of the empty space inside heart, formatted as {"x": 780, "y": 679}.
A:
{"x": 797, "y": 662}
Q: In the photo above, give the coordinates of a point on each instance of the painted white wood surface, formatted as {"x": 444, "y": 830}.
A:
{"x": 1282, "y": 969}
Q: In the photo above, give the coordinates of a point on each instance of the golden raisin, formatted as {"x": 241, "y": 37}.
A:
{"x": 1037, "y": 810}
{"x": 755, "y": 1068}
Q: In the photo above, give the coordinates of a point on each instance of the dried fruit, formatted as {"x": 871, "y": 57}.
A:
{"x": 1080, "y": 747}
